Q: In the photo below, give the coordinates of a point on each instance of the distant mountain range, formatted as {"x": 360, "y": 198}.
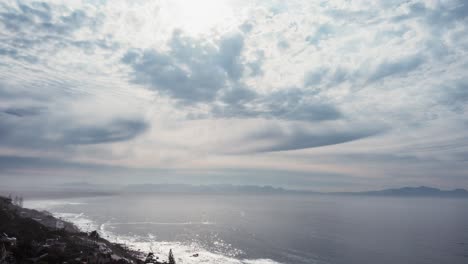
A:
{"x": 216, "y": 188}
{"x": 83, "y": 188}
{"x": 414, "y": 191}
{"x": 254, "y": 189}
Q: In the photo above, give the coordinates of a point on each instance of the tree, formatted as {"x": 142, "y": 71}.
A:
{"x": 171, "y": 257}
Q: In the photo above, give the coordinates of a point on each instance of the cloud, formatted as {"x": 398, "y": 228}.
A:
{"x": 14, "y": 54}
{"x": 354, "y": 82}
{"x": 40, "y": 26}
{"x": 230, "y": 49}
{"x": 40, "y": 19}
{"x": 23, "y": 111}
{"x": 255, "y": 65}
{"x": 322, "y": 32}
{"x": 238, "y": 96}
{"x": 315, "y": 77}
{"x": 453, "y": 94}
{"x": 296, "y": 104}
{"x": 288, "y": 104}
{"x": 324, "y": 77}
{"x": 303, "y": 136}
{"x": 282, "y": 44}
{"x": 440, "y": 15}
{"x": 191, "y": 71}
{"x": 18, "y": 163}
{"x": 396, "y": 67}
{"x": 25, "y": 129}
{"x": 115, "y": 131}
{"x": 195, "y": 72}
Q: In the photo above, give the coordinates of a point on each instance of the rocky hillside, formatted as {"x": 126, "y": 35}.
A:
{"x": 30, "y": 236}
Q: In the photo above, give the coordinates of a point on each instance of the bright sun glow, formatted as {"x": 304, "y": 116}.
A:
{"x": 201, "y": 16}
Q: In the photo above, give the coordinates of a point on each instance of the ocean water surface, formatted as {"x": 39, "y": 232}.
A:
{"x": 299, "y": 229}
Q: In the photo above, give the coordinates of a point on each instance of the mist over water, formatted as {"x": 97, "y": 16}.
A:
{"x": 278, "y": 228}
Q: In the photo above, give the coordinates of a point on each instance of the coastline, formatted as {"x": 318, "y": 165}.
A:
{"x": 184, "y": 252}
{"x": 29, "y": 235}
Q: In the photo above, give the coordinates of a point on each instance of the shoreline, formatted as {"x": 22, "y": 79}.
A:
{"x": 185, "y": 252}
{"x": 30, "y": 235}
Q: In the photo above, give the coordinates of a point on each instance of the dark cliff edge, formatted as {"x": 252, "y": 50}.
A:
{"x": 30, "y": 236}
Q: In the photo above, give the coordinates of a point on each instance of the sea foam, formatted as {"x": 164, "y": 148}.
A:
{"x": 186, "y": 253}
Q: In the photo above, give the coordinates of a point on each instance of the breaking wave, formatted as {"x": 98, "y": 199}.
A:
{"x": 185, "y": 252}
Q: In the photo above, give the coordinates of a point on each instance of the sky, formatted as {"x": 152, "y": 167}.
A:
{"x": 321, "y": 95}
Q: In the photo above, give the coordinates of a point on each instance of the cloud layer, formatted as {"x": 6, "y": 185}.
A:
{"x": 307, "y": 92}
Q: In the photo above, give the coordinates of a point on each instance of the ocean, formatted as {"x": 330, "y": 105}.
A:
{"x": 257, "y": 229}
